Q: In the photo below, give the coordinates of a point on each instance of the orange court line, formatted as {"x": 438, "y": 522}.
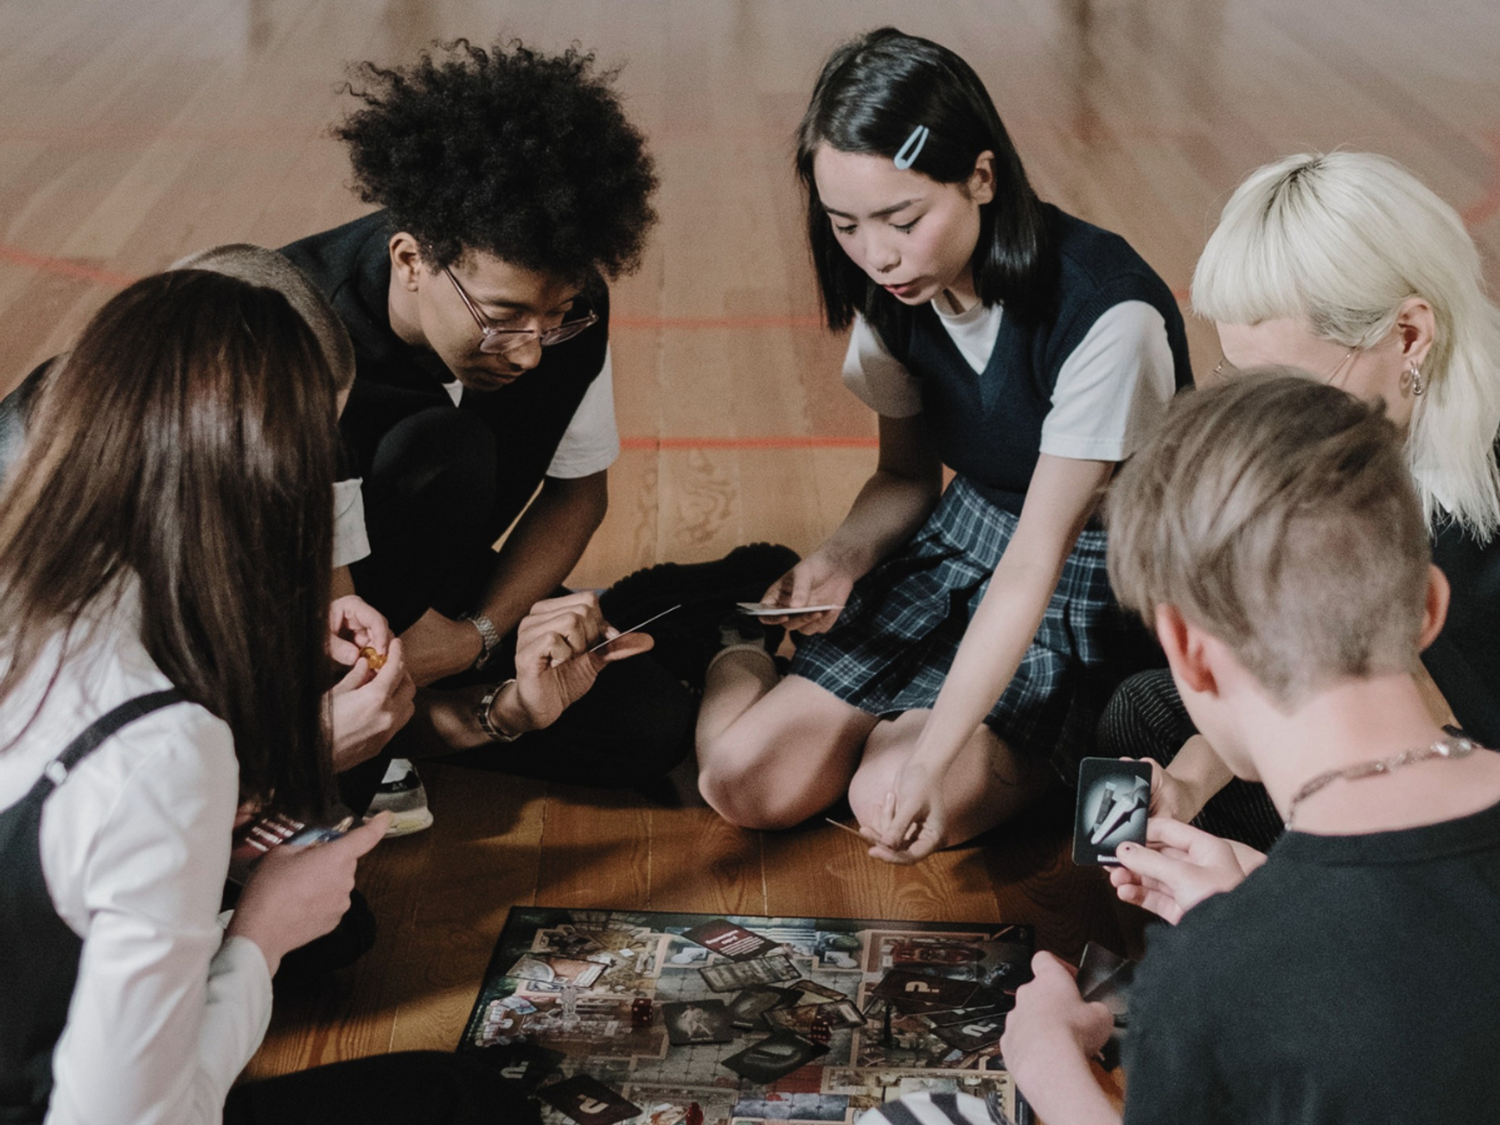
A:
{"x": 765, "y": 441}
{"x": 64, "y": 267}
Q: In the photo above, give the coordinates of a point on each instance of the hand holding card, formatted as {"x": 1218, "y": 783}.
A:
{"x": 810, "y": 596}
{"x": 1113, "y": 799}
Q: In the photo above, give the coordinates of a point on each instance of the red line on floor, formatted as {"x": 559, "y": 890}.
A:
{"x": 64, "y": 267}
{"x": 781, "y": 441}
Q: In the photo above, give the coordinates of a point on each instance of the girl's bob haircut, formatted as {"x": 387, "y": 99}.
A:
{"x": 1340, "y": 241}
{"x": 872, "y": 94}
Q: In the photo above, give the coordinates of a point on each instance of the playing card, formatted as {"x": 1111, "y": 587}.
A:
{"x": 1095, "y": 967}
{"x": 916, "y": 992}
{"x": 729, "y": 940}
{"x": 548, "y": 968}
{"x": 775, "y": 1056}
{"x": 766, "y": 609}
{"x": 525, "y": 1063}
{"x": 588, "y": 1101}
{"x": 1113, "y": 802}
{"x": 748, "y": 1006}
{"x": 745, "y": 974}
{"x": 697, "y": 1021}
{"x": 815, "y": 993}
{"x": 973, "y": 1035}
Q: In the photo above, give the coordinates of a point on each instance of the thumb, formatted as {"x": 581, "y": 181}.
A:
{"x": 626, "y": 646}
{"x": 1149, "y": 864}
{"x": 342, "y": 651}
{"x": 354, "y": 678}
{"x": 367, "y": 835}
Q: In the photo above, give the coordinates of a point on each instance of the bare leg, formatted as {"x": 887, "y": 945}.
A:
{"x": 772, "y": 754}
{"x": 988, "y": 784}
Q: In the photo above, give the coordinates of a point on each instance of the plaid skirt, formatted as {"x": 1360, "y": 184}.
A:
{"x": 892, "y": 646}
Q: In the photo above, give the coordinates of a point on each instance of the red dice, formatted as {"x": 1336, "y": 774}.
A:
{"x": 694, "y": 1115}
{"x": 819, "y": 1031}
{"x": 640, "y": 1012}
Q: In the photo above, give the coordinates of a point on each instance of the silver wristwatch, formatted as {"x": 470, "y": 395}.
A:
{"x": 489, "y": 637}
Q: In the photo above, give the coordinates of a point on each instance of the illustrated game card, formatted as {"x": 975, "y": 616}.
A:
{"x": 588, "y": 1101}
{"x": 697, "y": 1021}
{"x": 775, "y": 1056}
{"x": 728, "y": 940}
{"x": 1113, "y": 802}
{"x": 748, "y": 1006}
{"x": 973, "y": 1035}
{"x": 548, "y": 968}
{"x": 525, "y": 1063}
{"x": 815, "y": 993}
{"x": 738, "y": 975}
{"x": 918, "y": 992}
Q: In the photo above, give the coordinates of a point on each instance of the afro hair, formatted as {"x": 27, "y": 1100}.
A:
{"x": 508, "y": 151}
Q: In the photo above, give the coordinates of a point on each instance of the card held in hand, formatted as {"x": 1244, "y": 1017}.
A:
{"x": 1114, "y": 800}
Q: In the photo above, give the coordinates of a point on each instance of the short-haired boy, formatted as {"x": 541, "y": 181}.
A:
{"x": 1272, "y": 537}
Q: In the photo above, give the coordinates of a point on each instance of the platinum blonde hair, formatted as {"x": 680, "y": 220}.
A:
{"x": 1341, "y": 240}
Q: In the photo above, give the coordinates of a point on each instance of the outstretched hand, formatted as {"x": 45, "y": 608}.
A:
{"x": 1179, "y": 867}
{"x": 816, "y": 580}
{"x": 915, "y": 817}
{"x": 1050, "y": 1035}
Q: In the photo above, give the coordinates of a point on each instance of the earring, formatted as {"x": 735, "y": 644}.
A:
{"x": 1413, "y": 377}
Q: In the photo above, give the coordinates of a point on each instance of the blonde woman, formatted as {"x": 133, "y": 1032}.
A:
{"x": 1347, "y": 267}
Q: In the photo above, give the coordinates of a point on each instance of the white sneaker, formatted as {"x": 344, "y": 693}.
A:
{"x": 402, "y": 795}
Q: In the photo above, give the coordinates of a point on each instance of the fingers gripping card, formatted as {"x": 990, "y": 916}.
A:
{"x": 1114, "y": 799}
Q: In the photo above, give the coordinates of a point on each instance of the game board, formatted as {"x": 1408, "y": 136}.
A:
{"x": 563, "y": 986}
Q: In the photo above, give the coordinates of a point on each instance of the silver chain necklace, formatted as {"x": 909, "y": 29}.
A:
{"x": 1453, "y": 746}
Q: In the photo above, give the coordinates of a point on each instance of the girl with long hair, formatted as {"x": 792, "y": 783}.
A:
{"x": 976, "y": 638}
{"x": 165, "y": 550}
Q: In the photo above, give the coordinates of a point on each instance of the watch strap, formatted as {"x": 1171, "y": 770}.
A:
{"x": 489, "y": 637}
{"x": 482, "y": 711}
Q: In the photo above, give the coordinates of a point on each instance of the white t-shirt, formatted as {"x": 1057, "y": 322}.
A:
{"x": 591, "y": 443}
{"x": 135, "y": 845}
{"x": 1111, "y": 392}
{"x": 351, "y": 541}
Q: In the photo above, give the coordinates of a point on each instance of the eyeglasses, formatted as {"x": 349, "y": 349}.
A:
{"x": 497, "y": 339}
{"x": 1224, "y": 369}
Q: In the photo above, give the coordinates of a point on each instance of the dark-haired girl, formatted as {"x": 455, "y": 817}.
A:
{"x": 165, "y": 547}
{"x": 1029, "y": 352}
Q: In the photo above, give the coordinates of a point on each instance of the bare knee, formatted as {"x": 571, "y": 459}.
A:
{"x": 867, "y": 794}
{"x": 743, "y": 783}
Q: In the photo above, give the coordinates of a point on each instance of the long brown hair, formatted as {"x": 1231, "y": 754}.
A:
{"x": 189, "y": 440}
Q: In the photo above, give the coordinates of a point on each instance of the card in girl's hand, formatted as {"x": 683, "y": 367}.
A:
{"x": 766, "y": 609}
{"x": 1114, "y": 800}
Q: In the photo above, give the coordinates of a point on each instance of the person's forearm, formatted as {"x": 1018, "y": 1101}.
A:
{"x": 1066, "y": 1092}
{"x": 1200, "y": 770}
{"x": 544, "y": 548}
{"x": 991, "y": 651}
{"x": 885, "y": 514}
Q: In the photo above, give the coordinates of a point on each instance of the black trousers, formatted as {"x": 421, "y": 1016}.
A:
{"x": 429, "y": 500}
{"x": 410, "y": 1088}
{"x": 1146, "y": 719}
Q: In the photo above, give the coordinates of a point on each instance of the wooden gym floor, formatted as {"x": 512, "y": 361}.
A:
{"x": 135, "y": 131}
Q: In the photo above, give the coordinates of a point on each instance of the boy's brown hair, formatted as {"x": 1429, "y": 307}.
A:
{"x": 271, "y": 270}
{"x": 1277, "y": 513}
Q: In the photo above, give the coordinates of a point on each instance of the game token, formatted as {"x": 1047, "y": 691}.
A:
{"x": 640, "y": 1012}
{"x": 694, "y": 1115}
{"x": 819, "y": 1031}
{"x": 373, "y": 658}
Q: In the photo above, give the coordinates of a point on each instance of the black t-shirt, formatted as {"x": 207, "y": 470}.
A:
{"x": 1464, "y": 661}
{"x": 351, "y": 265}
{"x": 1351, "y": 980}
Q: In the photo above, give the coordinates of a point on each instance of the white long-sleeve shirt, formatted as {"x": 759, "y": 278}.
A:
{"x": 134, "y": 847}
